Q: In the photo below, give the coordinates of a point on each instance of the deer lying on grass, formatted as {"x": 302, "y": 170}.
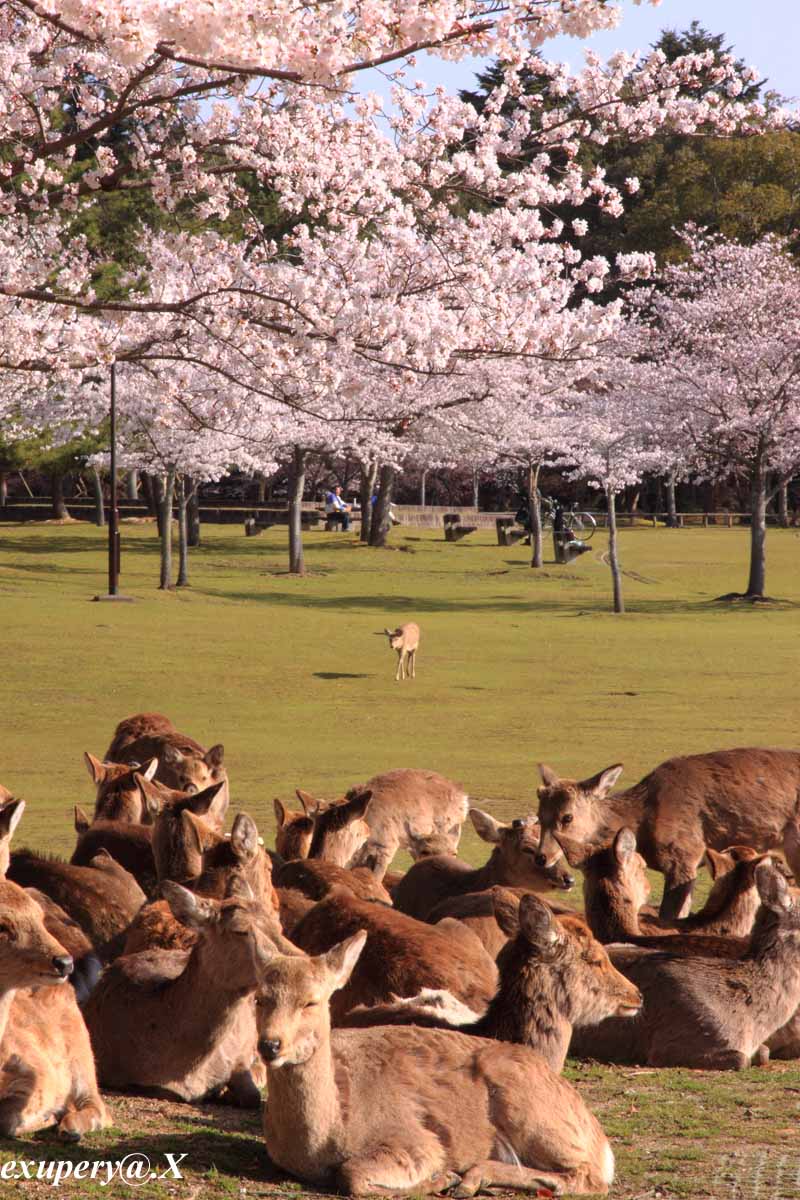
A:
{"x": 553, "y": 975}
{"x": 119, "y": 796}
{"x": 512, "y": 863}
{"x": 476, "y": 910}
{"x": 182, "y": 1024}
{"x": 129, "y": 845}
{"x": 402, "y": 955}
{"x": 405, "y": 641}
{"x": 616, "y": 888}
{"x": 682, "y": 807}
{"x": 182, "y": 762}
{"x": 388, "y": 1110}
{"x": 704, "y": 1012}
{"x": 47, "y": 1074}
{"x": 313, "y": 877}
{"x": 102, "y": 898}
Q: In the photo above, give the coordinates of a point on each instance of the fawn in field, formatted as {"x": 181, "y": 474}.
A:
{"x": 405, "y": 641}
{"x": 386, "y": 1110}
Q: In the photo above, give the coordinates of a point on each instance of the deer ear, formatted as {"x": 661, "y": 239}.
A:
{"x": 773, "y": 889}
{"x": 602, "y": 783}
{"x": 194, "y": 831}
{"x": 244, "y": 837}
{"x": 359, "y": 803}
{"x": 239, "y": 889}
{"x": 310, "y": 805}
{"x": 549, "y": 777}
{"x": 280, "y": 812}
{"x": 149, "y": 771}
{"x": 82, "y": 822}
{"x": 717, "y": 863}
{"x": 339, "y": 961}
{"x": 536, "y": 922}
{"x": 486, "y": 827}
{"x": 506, "y": 910}
{"x": 214, "y": 757}
{"x": 10, "y": 815}
{"x": 191, "y": 910}
{"x": 624, "y": 845}
{"x": 151, "y": 795}
{"x": 211, "y": 802}
{"x": 97, "y": 770}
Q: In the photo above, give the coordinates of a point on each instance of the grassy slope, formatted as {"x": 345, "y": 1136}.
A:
{"x": 515, "y": 666}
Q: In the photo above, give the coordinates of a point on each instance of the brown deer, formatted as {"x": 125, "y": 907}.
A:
{"x": 10, "y": 815}
{"x": 616, "y": 888}
{"x": 704, "y": 1012}
{"x": 129, "y": 845}
{"x": 182, "y": 1024}
{"x": 405, "y": 641}
{"x": 512, "y": 863}
{"x": 182, "y": 762}
{"x": 47, "y": 1074}
{"x": 685, "y": 805}
{"x": 294, "y": 830}
{"x": 389, "y": 1110}
{"x": 553, "y": 975}
{"x": 119, "y": 797}
{"x": 476, "y": 910}
{"x": 402, "y": 956}
{"x": 102, "y": 898}
{"x": 411, "y": 809}
{"x": 314, "y": 877}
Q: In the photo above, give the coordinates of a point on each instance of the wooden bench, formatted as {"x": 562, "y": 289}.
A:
{"x": 454, "y": 531}
{"x": 262, "y": 519}
{"x": 508, "y": 532}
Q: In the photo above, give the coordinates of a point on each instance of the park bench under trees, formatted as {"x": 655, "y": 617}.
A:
{"x": 454, "y": 531}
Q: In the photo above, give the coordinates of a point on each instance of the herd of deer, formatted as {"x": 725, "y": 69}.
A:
{"x": 410, "y": 1029}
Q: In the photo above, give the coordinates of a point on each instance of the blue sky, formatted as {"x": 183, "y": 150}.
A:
{"x": 765, "y": 33}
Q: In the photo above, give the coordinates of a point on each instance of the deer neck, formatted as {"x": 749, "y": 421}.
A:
{"x": 304, "y": 1113}
{"x": 617, "y": 810}
{"x": 612, "y": 917}
{"x": 206, "y": 1005}
{"x": 525, "y": 1010}
{"x": 488, "y": 875}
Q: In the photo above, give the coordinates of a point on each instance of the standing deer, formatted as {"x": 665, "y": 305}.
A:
{"x": 405, "y": 640}
{"x": 389, "y": 1109}
{"x": 749, "y": 796}
{"x": 47, "y": 1074}
{"x": 409, "y": 808}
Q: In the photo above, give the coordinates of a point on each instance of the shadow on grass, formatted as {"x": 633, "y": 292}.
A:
{"x": 340, "y": 675}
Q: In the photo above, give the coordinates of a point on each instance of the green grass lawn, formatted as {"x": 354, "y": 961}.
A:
{"x": 516, "y": 666}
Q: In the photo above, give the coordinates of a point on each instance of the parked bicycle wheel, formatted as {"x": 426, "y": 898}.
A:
{"x": 582, "y": 525}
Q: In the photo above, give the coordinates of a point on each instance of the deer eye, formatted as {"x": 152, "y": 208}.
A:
{"x": 7, "y": 932}
{"x": 311, "y": 1004}
{"x": 566, "y": 819}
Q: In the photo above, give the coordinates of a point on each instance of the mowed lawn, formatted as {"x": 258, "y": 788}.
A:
{"x": 516, "y": 666}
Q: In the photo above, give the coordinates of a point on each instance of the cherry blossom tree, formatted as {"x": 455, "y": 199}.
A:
{"x": 719, "y": 362}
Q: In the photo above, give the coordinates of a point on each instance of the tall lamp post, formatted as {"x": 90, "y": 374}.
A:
{"x": 113, "y": 518}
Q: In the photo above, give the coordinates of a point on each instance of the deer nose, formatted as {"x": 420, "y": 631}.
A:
{"x": 63, "y": 964}
{"x": 269, "y": 1048}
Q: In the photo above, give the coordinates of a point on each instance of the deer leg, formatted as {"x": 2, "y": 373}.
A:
{"x": 17, "y": 1088}
{"x": 396, "y": 1171}
{"x": 677, "y": 899}
{"x": 491, "y": 1172}
{"x": 412, "y": 663}
{"x": 82, "y": 1116}
{"x": 397, "y": 674}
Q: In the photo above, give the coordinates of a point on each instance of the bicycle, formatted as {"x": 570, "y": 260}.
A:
{"x": 581, "y": 525}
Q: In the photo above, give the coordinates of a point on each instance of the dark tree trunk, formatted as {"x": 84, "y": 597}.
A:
{"x": 132, "y": 485}
{"x": 613, "y": 557}
{"x": 758, "y": 532}
{"x": 193, "y": 512}
{"x": 150, "y": 495}
{"x": 97, "y": 488}
{"x": 168, "y": 495}
{"x": 261, "y": 484}
{"x": 183, "y": 533}
{"x": 3, "y": 489}
{"x": 783, "y": 504}
{"x": 57, "y": 489}
{"x": 422, "y": 489}
{"x": 157, "y": 489}
{"x": 672, "y": 510}
{"x": 369, "y": 473}
{"x": 381, "y": 521}
{"x": 535, "y": 515}
{"x": 296, "y": 561}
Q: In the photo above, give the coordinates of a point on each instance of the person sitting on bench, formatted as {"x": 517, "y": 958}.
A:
{"x": 336, "y": 511}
